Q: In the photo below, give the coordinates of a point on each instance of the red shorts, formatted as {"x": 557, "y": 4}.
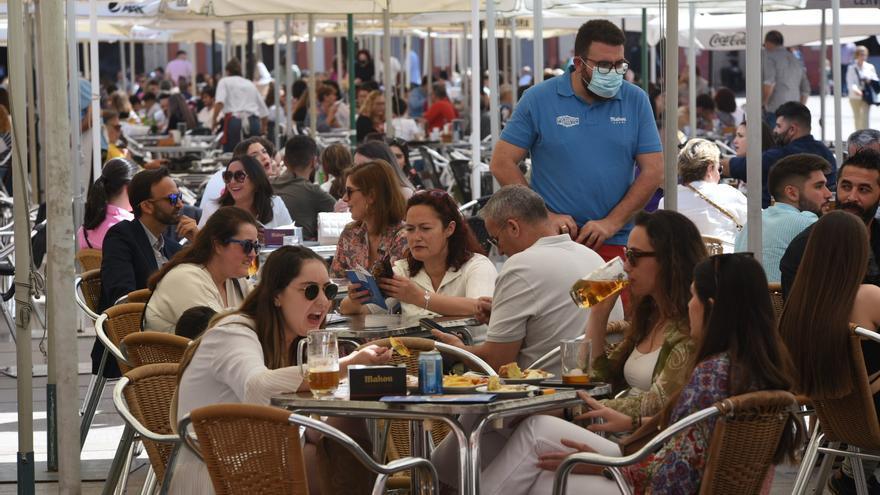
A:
{"x": 609, "y": 252}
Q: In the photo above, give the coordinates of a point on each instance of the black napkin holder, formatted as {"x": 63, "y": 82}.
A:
{"x": 375, "y": 382}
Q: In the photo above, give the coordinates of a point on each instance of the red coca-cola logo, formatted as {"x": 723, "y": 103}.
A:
{"x": 733, "y": 40}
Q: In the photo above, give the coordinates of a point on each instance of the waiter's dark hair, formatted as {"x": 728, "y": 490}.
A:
{"x": 597, "y": 30}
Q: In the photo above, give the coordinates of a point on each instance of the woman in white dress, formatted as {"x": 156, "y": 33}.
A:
{"x": 248, "y": 187}
{"x": 246, "y": 356}
{"x": 718, "y": 210}
{"x": 210, "y": 272}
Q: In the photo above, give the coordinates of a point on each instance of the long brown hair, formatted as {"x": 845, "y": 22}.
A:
{"x": 679, "y": 248}
{"x": 815, "y": 320}
{"x": 377, "y": 180}
{"x": 282, "y": 266}
{"x": 336, "y": 159}
{"x": 262, "y": 202}
{"x": 461, "y": 245}
{"x": 222, "y": 226}
{"x": 738, "y": 320}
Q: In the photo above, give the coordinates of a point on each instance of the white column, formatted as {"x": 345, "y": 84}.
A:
{"x": 754, "y": 176}
{"x": 276, "y": 54}
{"x": 407, "y": 43}
{"x": 288, "y": 71}
{"x": 386, "y": 68}
{"x": 492, "y": 61}
{"x": 475, "y": 98}
{"x": 514, "y": 60}
{"x": 538, "y": 41}
{"x": 61, "y": 311}
{"x": 227, "y": 45}
{"x": 462, "y": 55}
{"x": 313, "y": 94}
{"x": 823, "y": 77}
{"x": 429, "y": 63}
{"x": 96, "y": 90}
{"x": 122, "y": 64}
{"x": 835, "y": 70}
{"x": 194, "y": 49}
{"x": 73, "y": 104}
{"x": 692, "y": 69}
{"x": 132, "y": 65}
{"x": 670, "y": 122}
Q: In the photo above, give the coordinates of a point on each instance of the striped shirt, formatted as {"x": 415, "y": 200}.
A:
{"x": 781, "y": 222}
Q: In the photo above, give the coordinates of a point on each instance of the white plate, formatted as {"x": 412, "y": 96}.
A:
{"x": 527, "y": 390}
{"x": 460, "y": 390}
{"x": 530, "y": 381}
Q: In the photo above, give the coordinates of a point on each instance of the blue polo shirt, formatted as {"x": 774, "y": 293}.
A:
{"x": 804, "y": 144}
{"x": 583, "y": 155}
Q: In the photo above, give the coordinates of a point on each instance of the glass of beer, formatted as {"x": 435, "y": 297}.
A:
{"x": 600, "y": 284}
{"x": 323, "y": 363}
{"x": 576, "y": 361}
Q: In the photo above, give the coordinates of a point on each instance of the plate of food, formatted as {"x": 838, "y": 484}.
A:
{"x": 511, "y": 373}
{"x": 462, "y": 384}
{"x": 506, "y": 390}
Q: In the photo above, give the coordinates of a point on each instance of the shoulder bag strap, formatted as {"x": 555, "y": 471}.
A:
{"x": 718, "y": 207}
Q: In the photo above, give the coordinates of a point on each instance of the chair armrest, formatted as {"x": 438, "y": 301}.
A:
{"x": 102, "y": 336}
{"x": 352, "y": 446}
{"x": 122, "y": 408}
{"x": 466, "y": 356}
{"x": 868, "y": 334}
{"x": 561, "y": 478}
{"x": 187, "y": 439}
{"x": 77, "y": 292}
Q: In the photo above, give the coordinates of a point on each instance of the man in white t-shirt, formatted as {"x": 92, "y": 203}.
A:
{"x": 240, "y": 101}
{"x": 531, "y": 311}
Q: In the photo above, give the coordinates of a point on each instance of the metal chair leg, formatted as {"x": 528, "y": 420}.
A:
{"x": 807, "y": 463}
{"x": 123, "y": 479}
{"x": 825, "y": 468}
{"x": 119, "y": 459}
{"x": 92, "y": 398}
{"x": 149, "y": 483}
{"x": 169, "y": 470}
{"x": 89, "y": 391}
{"x": 858, "y": 470}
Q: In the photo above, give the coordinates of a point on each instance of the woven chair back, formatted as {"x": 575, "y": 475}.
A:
{"x": 148, "y": 396}
{"x": 713, "y": 245}
{"x": 775, "y": 289}
{"x": 139, "y": 296}
{"x": 744, "y": 441}
{"x": 150, "y": 347}
{"x": 416, "y": 345}
{"x": 91, "y": 288}
{"x": 123, "y": 320}
{"x": 851, "y": 419}
{"x": 89, "y": 259}
{"x": 250, "y": 449}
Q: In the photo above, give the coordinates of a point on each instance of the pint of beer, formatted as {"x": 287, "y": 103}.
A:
{"x": 323, "y": 363}
{"x": 602, "y": 283}
{"x": 576, "y": 361}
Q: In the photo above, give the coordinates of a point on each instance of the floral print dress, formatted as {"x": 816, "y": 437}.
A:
{"x": 678, "y": 466}
{"x": 353, "y": 248}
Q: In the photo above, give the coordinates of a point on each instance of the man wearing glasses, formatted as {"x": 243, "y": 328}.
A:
{"x": 586, "y": 132}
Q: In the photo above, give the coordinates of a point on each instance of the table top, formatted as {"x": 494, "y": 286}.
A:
{"x": 341, "y": 403}
{"x": 325, "y": 252}
{"x": 378, "y": 326}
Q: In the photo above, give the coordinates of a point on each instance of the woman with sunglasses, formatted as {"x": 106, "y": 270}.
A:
{"x": 738, "y": 351}
{"x": 444, "y": 271}
{"x": 828, "y": 295}
{"x": 376, "y": 234}
{"x": 210, "y": 272}
{"x": 651, "y": 362}
{"x": 248, "y": 188}
{"x": 248, "y": 356}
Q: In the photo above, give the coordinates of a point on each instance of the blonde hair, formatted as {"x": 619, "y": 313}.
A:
{"x": 367, "y": 107}
{"x": 696, "y": 158}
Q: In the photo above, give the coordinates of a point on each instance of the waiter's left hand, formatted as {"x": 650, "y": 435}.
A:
{"x": 595, "y": 232}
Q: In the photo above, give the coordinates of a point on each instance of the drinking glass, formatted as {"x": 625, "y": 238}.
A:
{"x": 576, "y": 361}
{"x": 323, "y": 363}
{"x": 600, "y": 284}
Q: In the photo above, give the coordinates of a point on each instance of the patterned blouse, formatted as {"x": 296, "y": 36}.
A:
{"x": 677, "y": 468}
{"x": 669, "y": 376}
{"x": 353, "y": 249}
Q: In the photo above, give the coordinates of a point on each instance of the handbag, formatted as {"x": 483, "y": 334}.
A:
{"x": 870, "y": 89}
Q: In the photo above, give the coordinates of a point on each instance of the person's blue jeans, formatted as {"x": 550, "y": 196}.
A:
{"x": 234, "y": 131}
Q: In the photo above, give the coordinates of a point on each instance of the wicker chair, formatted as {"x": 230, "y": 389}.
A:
{"x": 135, "y": 296}
{"x": 250, "y": 448}
{"x": 87, "y": 290}
{"x": 143, "y": 399}
{"x": 150, "y": 347}
{"x": 775, "y": 289}
{"x": 714, "y": 245}
{"x": 851, "y": 420}
{"x": 89, "y": 259}
{"x": 746, "y": 435}
{"x": 112, "y": 326}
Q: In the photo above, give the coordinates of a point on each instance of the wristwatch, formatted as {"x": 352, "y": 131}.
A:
{"x": 427, "y": 298}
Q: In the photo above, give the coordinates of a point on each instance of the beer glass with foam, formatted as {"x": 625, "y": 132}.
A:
{"x": 576, "y": 361}
{"x": 600, "y": 284}
{"x": 323, "y": 363}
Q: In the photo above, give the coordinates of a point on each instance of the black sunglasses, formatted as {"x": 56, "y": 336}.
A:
{"x": 172, "y": 198}
{"x": 311, "y": 291}
{"x": 633, "y": 255}
{"x": 247, "y": 245}
{"x": 238, "y": 175}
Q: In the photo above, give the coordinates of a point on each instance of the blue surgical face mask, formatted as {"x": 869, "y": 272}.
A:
{"x": 603, "y": 85}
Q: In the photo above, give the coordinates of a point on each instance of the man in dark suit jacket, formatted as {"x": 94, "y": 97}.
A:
{"x": 134, "y": 250}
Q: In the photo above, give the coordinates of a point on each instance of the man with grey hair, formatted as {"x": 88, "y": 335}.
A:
{"x": 861, "y": 139}
{"x": 530, "y": 311}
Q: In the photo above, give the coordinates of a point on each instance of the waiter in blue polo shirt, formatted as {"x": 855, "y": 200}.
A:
{"x": 586, "y": 131}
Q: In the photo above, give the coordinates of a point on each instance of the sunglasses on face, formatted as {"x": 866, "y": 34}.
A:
{"x": 238, "y": 175}
{"x": 172, "y": 198}
{"x": 247, "y": 245}
{"x": 633, "y": 255}
{"x": 311, "y": 291}
{"x": 350, "y": 190}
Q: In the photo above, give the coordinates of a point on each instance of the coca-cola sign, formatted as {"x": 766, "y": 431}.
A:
{"x": 728, "y": 41}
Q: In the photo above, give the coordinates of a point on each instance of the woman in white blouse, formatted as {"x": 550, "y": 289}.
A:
{"x": 246, "y": 356}
{"x": 248, "y": 187}
{"x": 443, "y": 272}
{"x": 718, "y": 210}
{"x": 211, "y": 272}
